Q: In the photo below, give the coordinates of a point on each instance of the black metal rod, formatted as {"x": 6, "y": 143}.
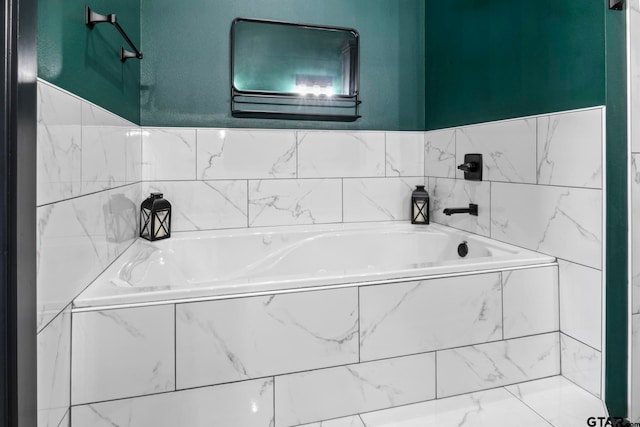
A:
{"x": 92, "y": 18}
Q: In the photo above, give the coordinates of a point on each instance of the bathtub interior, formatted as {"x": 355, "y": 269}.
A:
{"x": 230, "y": 262}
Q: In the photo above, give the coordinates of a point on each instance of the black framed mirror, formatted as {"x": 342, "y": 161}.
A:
{"x": 294, "y": 71}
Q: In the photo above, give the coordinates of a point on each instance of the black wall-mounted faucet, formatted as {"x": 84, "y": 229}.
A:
{"x": 472, "y": 167}
{"x": 471, "y": 210}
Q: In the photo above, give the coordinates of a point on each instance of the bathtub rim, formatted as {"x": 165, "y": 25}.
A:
{"x": 195, "y": 299}
{"x": 529, "y": 259}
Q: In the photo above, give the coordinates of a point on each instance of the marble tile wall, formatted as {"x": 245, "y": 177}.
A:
{"x": 381, "y": 346}
{"x": 91, "y": 164}
{"x": 542, "y": 190}
{"x": 89, "y": 169}
{"x": 232, "y": 178}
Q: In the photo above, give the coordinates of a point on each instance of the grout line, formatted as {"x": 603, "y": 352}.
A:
{"x": 362, "y": 420}
{"x": 585, "y": 344}
{"x": 67, "y": 412}
{"x": 93, "y": 193}
{"x": 273, "y": 387}
{"x": 435, "y": 366}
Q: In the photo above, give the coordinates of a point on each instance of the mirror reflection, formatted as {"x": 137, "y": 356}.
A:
{"x": 287, "y": 58}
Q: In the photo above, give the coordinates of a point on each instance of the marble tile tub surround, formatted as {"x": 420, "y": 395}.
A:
{"x": 542, "y": 190}
{"x": 230, "y": 178}
{"x": 88, "y": 193}
{"x": 287, "y": 341}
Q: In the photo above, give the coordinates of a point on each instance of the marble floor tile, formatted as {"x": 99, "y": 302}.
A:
{"x": 337, "y": 392}
{"x": 490, "y": 408}
{"x": 559, "y": 401}
{"x": 486, "y": 366}
{"x": 243, "y": 404}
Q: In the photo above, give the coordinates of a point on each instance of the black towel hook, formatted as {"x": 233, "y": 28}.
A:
{"x": 92, "y": 18}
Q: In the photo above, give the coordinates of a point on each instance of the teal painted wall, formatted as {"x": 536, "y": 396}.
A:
{"x": 87, "y": 62}
{"x": 498, "y": 59}
{"x": 185, "y": 73}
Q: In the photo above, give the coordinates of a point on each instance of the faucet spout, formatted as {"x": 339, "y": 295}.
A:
{"x": 471, "y": 210}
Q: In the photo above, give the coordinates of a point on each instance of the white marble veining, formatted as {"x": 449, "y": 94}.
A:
{"x": 354, "y": 421}
{"x": 581, "y": 303}
{"x": 378, "y": 199}
{"x": 59, "y": 146}
{"x": 246, "y": 154}
{"x": 294, "y": 202}
{"x": 133, "y": 168}
{"x": 341, "y": 154}
{"x": 236, "y": 339}
{"x": 168, "y": 154}
{"x": 457, "y": 193}
{"x": 246, "y": 404}
{"x": 122, "y": 353}
{"x": 559, "y": 401}
{"x": 635, "y": 369}
{"x": 66, "y": 421}
{"x": 405, "y": 154}
{"x": 54, "y": 370}
{"x": 203, "y": 205}
{"x": 104, "y": 149}
{"x": 508, "y": 149}
{"x": 77, "y": 239}
{"x": 581, "y": 364}
{"x": 416, "y": 317}
{"x": 485, "y": 366}
{"x": 440, "y": 154}
{"x": 335, "y": 392}
{"x": 635, "y": 226}
{"x": 564, "y": 222}
{"x": 570, "y": 149}
{"x": 490, "y": 408}
{"x": 530, "y": 300}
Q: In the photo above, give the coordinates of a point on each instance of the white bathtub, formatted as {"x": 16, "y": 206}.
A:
{"x": 195, "y": 266}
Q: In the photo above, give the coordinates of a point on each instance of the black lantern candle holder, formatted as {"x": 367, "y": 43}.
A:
{"x": 420, "y": 205}
{"x": 155, "y": 218}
